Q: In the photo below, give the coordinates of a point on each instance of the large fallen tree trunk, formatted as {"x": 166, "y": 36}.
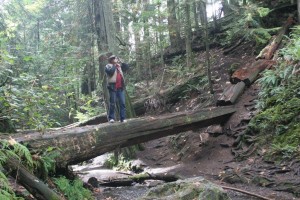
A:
{"x": 83, "y": 143}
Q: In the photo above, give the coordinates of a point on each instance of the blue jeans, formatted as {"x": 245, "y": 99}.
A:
{"x": 114, "y": 95}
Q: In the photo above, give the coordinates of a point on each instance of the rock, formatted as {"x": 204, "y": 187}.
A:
{"x": 204, "y": 137}
{"x": 137, "y": 166}
{"x": 192, "y": 188}
{"x": 93, "y": 182}
{"x": 153, "y": 183}
{"x": 215, "y": 130}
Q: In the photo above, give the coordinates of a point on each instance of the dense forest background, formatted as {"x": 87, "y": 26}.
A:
{"x": 52, "y": 54}
{"x": 50, "y": 74}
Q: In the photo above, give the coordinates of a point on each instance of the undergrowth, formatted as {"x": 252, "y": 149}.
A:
{"x": 73, "y": 189}
{"x": 278, "y": 123}
{"x": 41, "y": 165}
{"x": 247, "y": 24}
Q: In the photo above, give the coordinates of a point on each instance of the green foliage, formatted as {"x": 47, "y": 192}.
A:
{"x": 119, "y": 163}
{"x": 122, "y": 161}
{"x": 263, "y": 11}
{"x": 45, "y": 164}
{"x": 279, "y": 100}
{"x": 90, "y": 107}
{"x": 247, "y": 24}
{"x": 73, "y": 189}
{"x": 11, "y": 149}
{"x": 292, "y": 51}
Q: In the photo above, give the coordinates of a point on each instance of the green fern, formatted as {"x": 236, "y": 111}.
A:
{"x": 23, "y": 152}
{"x": 73, "y": 190}
{"x": 6, "y": 192}
{"x": 248, "y": 25}
{"x": 46, "y": 162}
{"x": 4, "y": 184}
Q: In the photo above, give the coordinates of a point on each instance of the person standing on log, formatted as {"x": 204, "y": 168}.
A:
{"x": 116, "y": 87}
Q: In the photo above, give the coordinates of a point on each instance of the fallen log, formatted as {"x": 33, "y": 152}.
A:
{"x": 137, "y": 178}
{"x": 83, "y": 143}
{"x": 231, "y": 94}
{"x": 35, "y": 186}
{"x": 268, "y": 52}
{"x": 249, "y": 73}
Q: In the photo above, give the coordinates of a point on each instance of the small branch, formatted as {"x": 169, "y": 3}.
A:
{"x": 245, "y": 192}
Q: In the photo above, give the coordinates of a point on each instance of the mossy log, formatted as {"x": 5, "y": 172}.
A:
{"x": 35, "y": 186}
{"x": 83, "y": 143}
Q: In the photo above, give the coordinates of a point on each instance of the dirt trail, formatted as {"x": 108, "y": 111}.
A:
{"x": 201, "y": 154}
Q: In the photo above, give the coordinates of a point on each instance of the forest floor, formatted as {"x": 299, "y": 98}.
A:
{"x": 209, "y": 153}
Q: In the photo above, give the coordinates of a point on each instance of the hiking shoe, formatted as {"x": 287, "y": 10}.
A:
{"x": 123, "y": 121}
{"x": 111, "y": 121}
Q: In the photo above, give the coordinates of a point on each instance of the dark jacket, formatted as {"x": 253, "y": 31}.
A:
{"x": 111, "y": 72}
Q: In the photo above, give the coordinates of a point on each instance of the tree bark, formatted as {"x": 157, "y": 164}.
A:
{"x": 231, "y": 94}
{"x": 35, "y": 186}
{"x": 138, "y": 178}
{"x": 174, "y": 33}
{"x": 249, "y": 73}
{"x": 188, "y": 35}
{"x": 83, "y": 143}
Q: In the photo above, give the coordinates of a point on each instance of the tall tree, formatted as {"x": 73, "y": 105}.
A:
{"x": 147, "y": 8}
{"x": 173, "y": 26}
{"x": 188, "y": 30}
{"x": 106, "y": 38}
{"x": 137, "y": 38}
{"x": 203, "y": 17}
{"x": 298, "y": 6}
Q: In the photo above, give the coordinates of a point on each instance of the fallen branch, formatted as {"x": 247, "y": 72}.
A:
{"x": 245, "y": 192}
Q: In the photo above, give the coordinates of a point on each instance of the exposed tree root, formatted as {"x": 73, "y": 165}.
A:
{"x": 245, "y": 192}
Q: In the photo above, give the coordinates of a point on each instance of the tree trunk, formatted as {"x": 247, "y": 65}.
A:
{"x": 83, "y": 143}
{"x": 188, "y": 35}
{"x": 196, "y": 16}
{"x": 137, "y": 40}
{"x": 204, "y": 20}
{"x": 147, "y": 46}
{"x": 225, "y": 7}
{"x": 173, "y": 24}
{"x": 298, "y": 8}
{"x": 104, "y": 26}
{"x": 35, "y": 186}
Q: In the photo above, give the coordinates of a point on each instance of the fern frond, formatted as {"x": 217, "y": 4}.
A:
{"x": 23, "y": 152}
{"x": 4, "y": 184}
